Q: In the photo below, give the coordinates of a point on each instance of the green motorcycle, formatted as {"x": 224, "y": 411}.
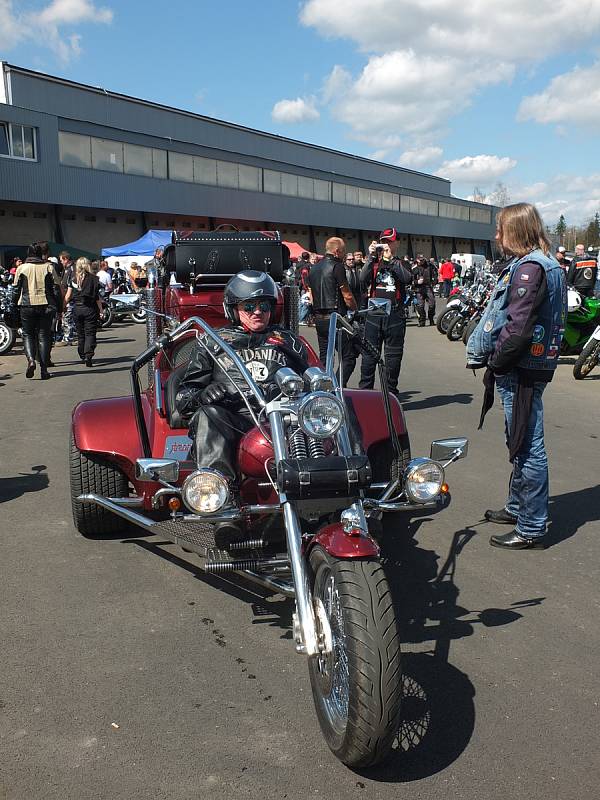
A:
{"x": 583, "y": 318}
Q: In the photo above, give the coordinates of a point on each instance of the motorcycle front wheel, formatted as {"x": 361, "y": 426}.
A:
{"x": 105, "y": 319}
{"x": 470, "y": 327}
{"x": 445, "y": 319}
{"x": 456, "y": 328}
{"x": 7, "y": 338}
{"x": 357, "y": 686}
{"x": 590, "y": 356}
{"x": 139, "y": 317}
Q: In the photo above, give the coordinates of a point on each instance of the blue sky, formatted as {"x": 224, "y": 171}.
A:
{"x": 493, "y": 90}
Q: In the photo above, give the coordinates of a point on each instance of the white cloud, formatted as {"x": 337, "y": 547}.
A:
{"x": 476, "y": 169}
{"x": 293, "y": 111}
{"x": 46, "y": 27}
{"x": 425, "y": 61}
{"x": 419, "y": 157}
{"x": 496, "y": 30}
{"x": 573, "y": 96}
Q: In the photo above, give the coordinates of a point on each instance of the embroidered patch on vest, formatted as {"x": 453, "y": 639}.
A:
{"x": 522, "y": 291}
{"x": 587, "y": 273}
{"x": 524, "y": 276}
{"x": 537, "y": 349}
{"x": 553, "y": 351}
{"x": 538, "y": 333}
{"x": 488, "y": 326}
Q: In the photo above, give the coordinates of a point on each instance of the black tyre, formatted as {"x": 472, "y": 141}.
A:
{"x": 8, "y": 337}
{"x": 444, "y": 320}
{"x": 139, "y": 316}
{"x": 469, "y": 328}
{"x": 357, "y": 687}
{"x": 456, "y": 328}
{"x": 90, "y": 474}
{"x": 590, "y": 356}
{"x": 105, "y": 320}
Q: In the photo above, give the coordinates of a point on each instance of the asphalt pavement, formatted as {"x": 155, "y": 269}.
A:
{"x": 125, "y": 672}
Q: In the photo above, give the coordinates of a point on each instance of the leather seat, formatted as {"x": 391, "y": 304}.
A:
{"x": 171, "y": 388}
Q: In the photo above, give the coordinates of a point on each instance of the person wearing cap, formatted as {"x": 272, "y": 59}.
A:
{"x": 561, "y": 257}
{"x": 384, "y": 276}
{"x": 582, "y": 272}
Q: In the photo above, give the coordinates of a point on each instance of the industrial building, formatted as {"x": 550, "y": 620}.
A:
{"x": 93, "y": 168}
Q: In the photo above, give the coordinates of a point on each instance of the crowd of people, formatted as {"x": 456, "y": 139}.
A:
{"x": 59, "y": 301}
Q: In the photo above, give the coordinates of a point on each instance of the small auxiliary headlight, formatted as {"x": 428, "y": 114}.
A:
{"x": 205, "y": 491}
{"x": 423, "y": 480}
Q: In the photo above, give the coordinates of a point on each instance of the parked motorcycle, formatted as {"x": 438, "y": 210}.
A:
{"x": 583, "y": 317}
{"x": 9, "y": 318}
{"x": 122, "y": 302}
{"x": 589, "y": 357}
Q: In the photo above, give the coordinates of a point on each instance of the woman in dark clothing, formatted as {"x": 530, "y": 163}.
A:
{"x": 39, "y": 302}
{"x": 84, "y": 291}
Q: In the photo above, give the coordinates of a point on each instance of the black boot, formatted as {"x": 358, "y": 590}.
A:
{"x": 502, "y": 517}
{"x": 514, "y": 541}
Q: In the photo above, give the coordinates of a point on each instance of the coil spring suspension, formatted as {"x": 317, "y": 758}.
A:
{"x": 297, "y": 441}
{"x": 316, "y": 448}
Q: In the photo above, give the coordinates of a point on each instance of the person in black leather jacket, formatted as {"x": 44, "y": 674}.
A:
{"x": 330, "y": 292}
{"x": 207, "y": 397}
{"x": 385, "y": 276}
{"x": 582, "y": 272}
{"x": 425, "y": 277}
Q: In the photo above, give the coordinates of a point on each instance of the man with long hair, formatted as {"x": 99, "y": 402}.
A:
{"x": 518, "y": 342}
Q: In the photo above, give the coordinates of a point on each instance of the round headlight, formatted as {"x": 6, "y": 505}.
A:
{"x": 205, "y": 491}
{"x": 423, "y": 480}
{"x": 321, "y": 415}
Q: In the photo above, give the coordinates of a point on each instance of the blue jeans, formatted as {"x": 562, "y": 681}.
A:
{"x": 304, "y": 310}
{"x": 528, "y": 490}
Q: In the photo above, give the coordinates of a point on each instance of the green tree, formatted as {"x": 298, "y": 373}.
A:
{"x": 592, "y": 232}
{"x": 561, "y": 229}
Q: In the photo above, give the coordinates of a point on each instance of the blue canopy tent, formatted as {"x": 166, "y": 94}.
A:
{"x": 144, "y": 246}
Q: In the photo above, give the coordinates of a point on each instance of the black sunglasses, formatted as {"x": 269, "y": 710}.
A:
{"x": 262, "y": 305}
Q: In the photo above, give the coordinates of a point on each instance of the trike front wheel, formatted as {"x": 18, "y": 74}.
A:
{"x": 357, "y": 681}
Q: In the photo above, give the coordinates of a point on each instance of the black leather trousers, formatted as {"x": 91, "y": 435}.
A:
{"x": 389, "y": 331}
{"x": 216, "y": 432}
{"x": 348, "y": 354}
{"x": 36, "y": 324}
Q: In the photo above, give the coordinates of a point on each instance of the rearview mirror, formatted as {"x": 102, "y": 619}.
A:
{"x": 449, "y": 450}
{"x": 379, "y": 306}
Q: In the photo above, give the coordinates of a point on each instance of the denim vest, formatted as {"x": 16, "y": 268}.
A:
{"x": 542, "y": 353}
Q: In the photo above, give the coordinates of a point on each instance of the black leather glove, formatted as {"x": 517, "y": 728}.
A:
{"x": 213, "y": 393}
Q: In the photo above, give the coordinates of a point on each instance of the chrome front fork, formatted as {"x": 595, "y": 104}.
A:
{"x": 305, "y": 631}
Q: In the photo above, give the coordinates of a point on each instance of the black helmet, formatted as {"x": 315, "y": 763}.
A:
{"x": 246, "y": 285}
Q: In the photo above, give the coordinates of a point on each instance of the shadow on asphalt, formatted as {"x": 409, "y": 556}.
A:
{"x": 438, "y": 711}
{"x": 570, "y": 511}
{"x": 13, "y": 487}
{"x": 437, "y": 400}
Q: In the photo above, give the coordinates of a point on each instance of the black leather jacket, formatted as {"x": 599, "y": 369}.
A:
{"x": 262, "y": 353}
{"x": 425, "y": 276}
{"x": 386, "y": 279}
{"x": 325, "y": 280}
{"x": 582, "y": 273}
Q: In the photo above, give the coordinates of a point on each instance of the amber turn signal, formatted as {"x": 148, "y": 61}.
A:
{"x": 444, "y": 488}
{"x": 174, "y": 503}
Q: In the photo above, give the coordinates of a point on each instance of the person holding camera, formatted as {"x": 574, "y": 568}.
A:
{"x": 385, "y": 276}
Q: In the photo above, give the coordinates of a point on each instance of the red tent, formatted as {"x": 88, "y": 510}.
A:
{"x": 295, "y": 249}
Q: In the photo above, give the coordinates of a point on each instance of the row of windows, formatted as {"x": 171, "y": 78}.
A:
{"x": 17, "y": 141}
{"x": 106, "y": 154}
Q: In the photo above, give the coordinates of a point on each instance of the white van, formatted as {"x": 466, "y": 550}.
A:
{"x": 473, "y": 260}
